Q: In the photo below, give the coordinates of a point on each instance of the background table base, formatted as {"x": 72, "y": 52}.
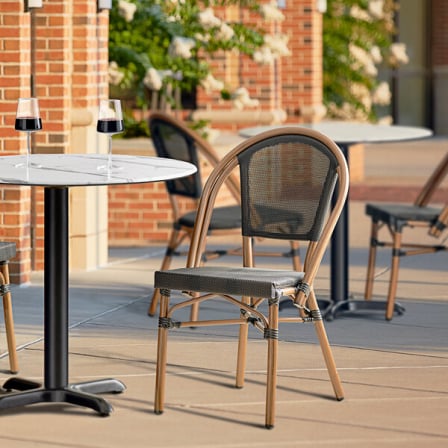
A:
{"x": 360, "y": 305}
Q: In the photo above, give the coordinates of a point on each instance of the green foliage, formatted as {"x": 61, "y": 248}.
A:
{"x": 144, "y": 41}
{"x": 342, "y": 70}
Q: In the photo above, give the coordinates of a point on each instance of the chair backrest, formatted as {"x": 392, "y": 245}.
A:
{"x": 173, "y": 139}
{"x": 433, "y": 183}
{"x": 288, "y": 178}
{"x": 427, "y": 192}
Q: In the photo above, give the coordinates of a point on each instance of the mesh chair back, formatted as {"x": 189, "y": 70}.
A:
{"x": 172, "y": 142}
{"x": 287, "y": 183}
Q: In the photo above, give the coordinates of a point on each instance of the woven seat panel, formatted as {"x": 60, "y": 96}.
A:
{"x": 222, "y": 218}
{"x": 251, "y": 282}
{"x": 7, "y": 251}
{"x": 393, "y": 213}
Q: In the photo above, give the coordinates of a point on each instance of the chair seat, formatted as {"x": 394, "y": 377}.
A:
{"x": 223, "y": 218}
{"x": 397, "y": 214}
{"x": 252, "y": 282}
{"x": 7, "y": 251}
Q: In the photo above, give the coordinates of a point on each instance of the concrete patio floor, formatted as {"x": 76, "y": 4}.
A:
{"x": 394, "y": 373}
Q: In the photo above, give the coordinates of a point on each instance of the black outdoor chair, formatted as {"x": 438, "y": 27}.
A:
{"x": 287, "y": 181}
{"x": 396, "y": 217}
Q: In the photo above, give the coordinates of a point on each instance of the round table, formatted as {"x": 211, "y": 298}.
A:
{"x": 346, "y": 133}
{"x": 56, "y": 173}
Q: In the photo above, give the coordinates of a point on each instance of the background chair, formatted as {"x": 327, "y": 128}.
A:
{"x": 173, "y": 139}
{"x": 8, "y": 251}
{"x": 287, "y": 180}
{"x": 397, "y": 217}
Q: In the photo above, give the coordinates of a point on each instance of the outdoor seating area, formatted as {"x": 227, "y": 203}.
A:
{"x": 393, "y": 372}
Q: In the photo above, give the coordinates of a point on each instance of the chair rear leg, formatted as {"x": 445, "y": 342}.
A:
{"x": 372, "y": 261}
{"x": 9, "y": 320}
{"x": 162, "y": 340}
{"x": 394, "y": 268}
{"x": 295, "y": 253}
{"x": 326, "y": 349}
{"x": 172, "y": 246}
{"x": 271, "y": 334}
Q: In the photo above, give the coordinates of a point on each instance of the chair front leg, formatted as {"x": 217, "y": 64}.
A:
{"x": 372, "y": 260}
{"x": 242, "y": 349}
{"x": 9, "y": 320}
{"x": 271, "y": 334}
{"x": 162, "y": 340}
{"x": 395, "y": 265}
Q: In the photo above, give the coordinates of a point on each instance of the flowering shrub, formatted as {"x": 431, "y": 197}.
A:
{"x": 163, "y": 45}
{"x": 358, "y": 38}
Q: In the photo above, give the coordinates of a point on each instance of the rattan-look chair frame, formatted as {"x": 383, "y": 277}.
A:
{"x": 8, "y": 251}
{"x": 395, "y": 218}
{"x": 297, "y": 286}
{"x": 182, "y": 229}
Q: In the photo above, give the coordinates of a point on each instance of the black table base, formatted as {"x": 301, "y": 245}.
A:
{"x": 352, "y": 305}
{"x": 56, "y": 388}
{"x": 81, "y": 394}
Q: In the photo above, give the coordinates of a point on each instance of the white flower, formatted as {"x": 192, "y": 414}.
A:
{"x": 270, "y": 12}
{"x": 153, "y": 79}
{"x": 263, "y": 56}
{"x": 127, "y": 10}
{"x": 181, "y": 47}
{"x": 387, "y": 120}
{"x": 115, "y": 75}
{"x": 362, "y": 94}
{"x": 208, "y": 19}
{"x": 204, "y": 38}
{"x": 398, "y": 54}
{"x": 225, "y": 32}
{"x": 364, "y": 60}
{"x": 242, "y": 99}
{"x": 210, "y": 83}
{"x": 361, "y": 14}
{"x": 382, "y": 94}
{"x": 278, "y": 44}
{"x": 377, "y": 57}
{"x": 376, "y": 8}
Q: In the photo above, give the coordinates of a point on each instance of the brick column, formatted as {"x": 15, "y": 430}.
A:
{"x": 65, "y": 46}
{"x": 15, "y": 57}
{"x": 301, "y": 73}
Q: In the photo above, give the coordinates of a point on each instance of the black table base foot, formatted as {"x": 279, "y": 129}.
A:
{"x": 105, "y": 386}
{"x": 352, "y": 305}
{"x": 20, "y": 384}
{"x": 65, "y": 395}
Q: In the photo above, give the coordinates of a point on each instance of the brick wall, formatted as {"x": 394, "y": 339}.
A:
{"x": 64, "y": 45}
{"x": 293, "y": 83}
{"x": 15, "y": 58}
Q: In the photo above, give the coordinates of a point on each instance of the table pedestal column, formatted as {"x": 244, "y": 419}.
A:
{"x": 56, "y": 387}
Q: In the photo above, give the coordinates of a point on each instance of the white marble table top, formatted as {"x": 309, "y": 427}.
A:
{"x": 65, "y": 170}
{"x": 346, "y": 132}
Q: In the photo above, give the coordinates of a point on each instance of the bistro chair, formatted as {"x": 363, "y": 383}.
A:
{"x": 396, "y": 218}
{"x": 287, "y": 180}
{"x": 8, "y": 251}
{"x": 173, "y": 139}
